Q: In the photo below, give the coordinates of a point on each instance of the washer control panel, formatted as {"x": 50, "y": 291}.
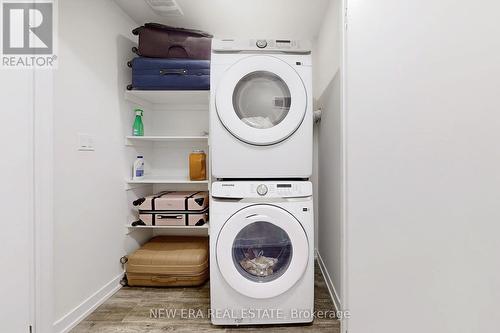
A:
{"x": 263, "y": 189}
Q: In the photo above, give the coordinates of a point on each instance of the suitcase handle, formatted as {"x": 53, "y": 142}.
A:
{"x": 175, "y": 217}
{"x": 173, "y": 71}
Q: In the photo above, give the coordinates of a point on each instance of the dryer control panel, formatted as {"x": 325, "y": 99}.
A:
{"x": 263, "y": 189}
{"x": 261, "y": 45}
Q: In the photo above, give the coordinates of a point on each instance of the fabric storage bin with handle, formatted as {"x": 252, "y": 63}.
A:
{"x": 168, "y": 261}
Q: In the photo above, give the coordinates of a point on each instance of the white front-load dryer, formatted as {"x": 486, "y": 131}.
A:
{"x": 261, "y": 109}
{"x": 261, "y": 252}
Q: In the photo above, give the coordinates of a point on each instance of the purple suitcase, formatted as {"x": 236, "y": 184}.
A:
{"x": 162, "y": 41}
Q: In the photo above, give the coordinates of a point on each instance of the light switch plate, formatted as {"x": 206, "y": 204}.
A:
{"x": 85, "y": 142}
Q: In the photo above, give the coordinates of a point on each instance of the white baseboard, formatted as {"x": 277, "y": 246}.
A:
{"x": 329, "y": 283}
{"x": 75, "y": 316}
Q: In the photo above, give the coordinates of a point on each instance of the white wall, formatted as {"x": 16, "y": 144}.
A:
{"x": 327, "y": 89}
{"x": 330, "y": 195}
{"x": 327, "y": 51}
{"x": 423, "y": 161}
{"x": 16, "y": 237}
{"x": 89, "y": 191}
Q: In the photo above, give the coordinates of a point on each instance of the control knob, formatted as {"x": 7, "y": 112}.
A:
{"x": 262, "y": 189}
{"x": 261, "y": 43}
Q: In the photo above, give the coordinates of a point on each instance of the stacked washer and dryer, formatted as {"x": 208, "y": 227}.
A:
{"x": 261, "y": 210}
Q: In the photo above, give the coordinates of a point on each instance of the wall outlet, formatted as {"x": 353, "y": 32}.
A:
{"x": 85, "y": 142}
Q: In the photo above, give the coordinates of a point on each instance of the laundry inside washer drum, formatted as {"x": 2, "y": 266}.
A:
{"x": 260, "y": 265}
{"x": 262, "y": 251}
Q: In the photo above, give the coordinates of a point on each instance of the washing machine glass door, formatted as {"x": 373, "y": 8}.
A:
{"x": 262, "y": 251}
{"x": 261, "y": 100}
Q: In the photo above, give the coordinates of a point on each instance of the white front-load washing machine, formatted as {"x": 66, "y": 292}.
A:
{"x": 261, "y": 252}
{"x": 261, "y": 109}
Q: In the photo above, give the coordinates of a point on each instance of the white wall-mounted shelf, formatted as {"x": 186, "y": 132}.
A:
{"x": 170, "y": 99}
{"x": 202, "y": 230}
{"x": 165, "y": 138}
{"x": 169, "y": 138}
{"x": 164, "y": 180}
{"x": 188, "y": 227}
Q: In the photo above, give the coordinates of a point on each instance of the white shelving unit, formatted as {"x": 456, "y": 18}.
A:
{"x": 177, "y": 230}
{"x": 132, "y": 140}
{"x": 168, "y": 138}
{"x": 164, "y": 180}
{"x": 205, "y": 226}
{"x": 169, "y": 99}
{"x": 175, "y": 123}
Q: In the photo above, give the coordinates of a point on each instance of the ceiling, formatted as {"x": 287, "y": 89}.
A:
{"x": 279, "y": 19}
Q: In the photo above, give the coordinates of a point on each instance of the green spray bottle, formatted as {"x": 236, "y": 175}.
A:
{"x": 138, "y": 128}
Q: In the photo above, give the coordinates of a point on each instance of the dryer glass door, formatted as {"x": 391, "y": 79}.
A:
{"x": 262, "y": 251}
{"x": 261, "y": 100}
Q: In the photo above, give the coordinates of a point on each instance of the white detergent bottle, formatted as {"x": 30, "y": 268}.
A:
{"x": 138, "y": 168}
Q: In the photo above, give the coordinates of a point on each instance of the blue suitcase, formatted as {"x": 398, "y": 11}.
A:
{"x": 169, "y": 74}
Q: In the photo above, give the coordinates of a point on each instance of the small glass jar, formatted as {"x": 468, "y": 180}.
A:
{"x": 197, "y": 165}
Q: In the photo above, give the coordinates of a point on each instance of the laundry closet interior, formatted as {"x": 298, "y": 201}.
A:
{"x": 94, "y": 148}
{"x": 368, "y": 183}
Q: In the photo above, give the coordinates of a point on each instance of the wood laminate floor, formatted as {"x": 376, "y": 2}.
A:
{"x": 129, "y": 311}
